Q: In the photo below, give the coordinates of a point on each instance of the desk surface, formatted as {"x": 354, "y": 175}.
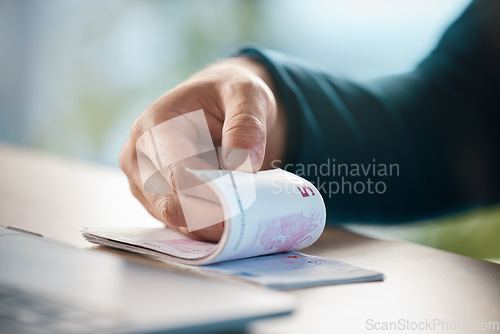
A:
{"x": 56, "y": 197}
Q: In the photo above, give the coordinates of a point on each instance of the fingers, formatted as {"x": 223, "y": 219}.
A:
{"x": 155, "y": 203}
{"x": 172, "y": 194}
{"x": 246, "y": 105}
{"x": 212, "y": 234}
{"x": 169, "y": 210}
{"x": 168, "y": 140}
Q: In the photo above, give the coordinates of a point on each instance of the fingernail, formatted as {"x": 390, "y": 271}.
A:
{"x": 183, "y": 230}
{"x": 238, "y": 159}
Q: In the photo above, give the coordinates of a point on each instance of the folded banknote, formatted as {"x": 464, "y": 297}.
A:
{"x": 266, "y": 212}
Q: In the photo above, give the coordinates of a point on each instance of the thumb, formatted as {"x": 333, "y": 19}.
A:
{"x": 244, "y": 131}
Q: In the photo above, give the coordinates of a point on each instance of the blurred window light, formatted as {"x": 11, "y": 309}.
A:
{"x": 77, "y": 73}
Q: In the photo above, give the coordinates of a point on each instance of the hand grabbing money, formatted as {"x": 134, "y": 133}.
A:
{"x": 241, "y": 111}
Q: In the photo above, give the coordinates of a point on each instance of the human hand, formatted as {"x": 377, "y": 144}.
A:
{"x": 241, "y": 111}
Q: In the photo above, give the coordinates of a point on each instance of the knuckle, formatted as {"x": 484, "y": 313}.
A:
{"x": 164, "y": 207}
{"x": 248, "y": 125}
{"x": 171, "y": 174}
{"x": 137, "y": 127}
{"x": 169, "y": 210}
{"x": 243, "y": 85}
{"x": 123, "y": 160}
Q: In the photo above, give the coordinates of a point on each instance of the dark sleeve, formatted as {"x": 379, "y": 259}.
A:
{"x": 404, "y": 147}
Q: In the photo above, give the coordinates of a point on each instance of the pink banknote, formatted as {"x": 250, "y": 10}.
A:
{"x": 266, "y": 212}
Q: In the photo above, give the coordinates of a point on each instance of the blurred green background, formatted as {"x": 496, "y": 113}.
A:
{"x": 75, "y": 74}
